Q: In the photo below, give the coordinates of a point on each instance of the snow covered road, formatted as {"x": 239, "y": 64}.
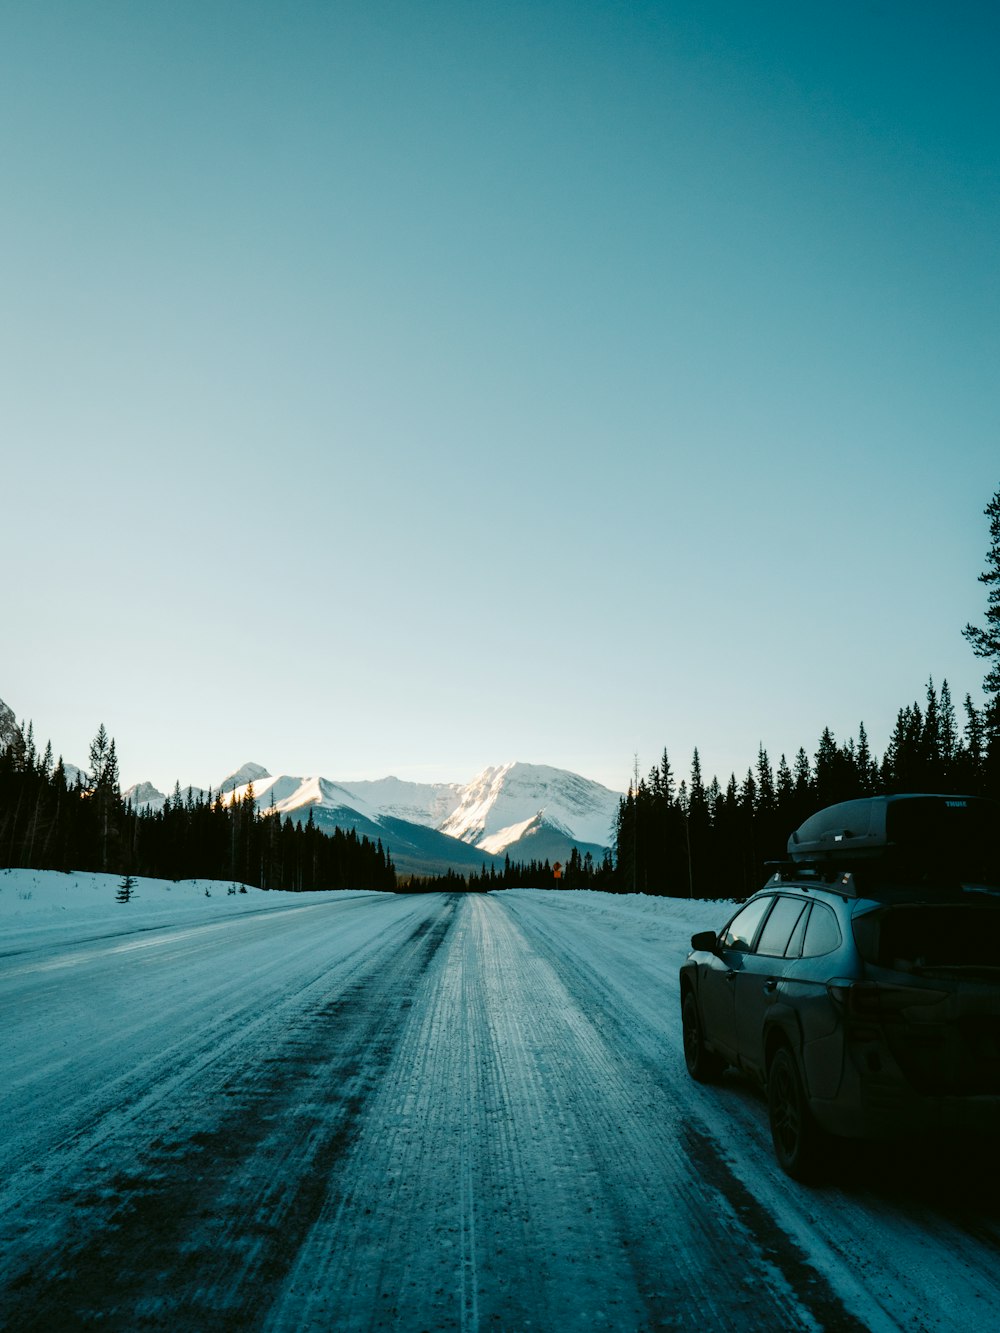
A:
{"x": 439, "y": 1112}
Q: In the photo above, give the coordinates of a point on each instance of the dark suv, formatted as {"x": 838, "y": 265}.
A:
{"x": 861, "y": 986}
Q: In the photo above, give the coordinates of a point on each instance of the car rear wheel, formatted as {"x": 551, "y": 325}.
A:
{"x": 702, "y": 1064}
{"x": 799, "y": 1142}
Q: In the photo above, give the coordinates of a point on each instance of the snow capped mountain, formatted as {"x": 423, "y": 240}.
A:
{"x": 285, "y": 794}
{"x": 144, "y": 796}
{"x": 529, "y": 812}
{"x": 525, "y": 811}
{"x": 415, "y": 845}
{"x": 499, "y": 806}
{"x": 248, "y": 773}
{"x": 9, "y": 729}
{"x": 496, "y": 810}
{"x": 427, "y": 803}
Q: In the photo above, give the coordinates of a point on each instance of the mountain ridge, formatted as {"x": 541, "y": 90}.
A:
{"x": 518, "y": 810}
{"x": 524, "y": 811}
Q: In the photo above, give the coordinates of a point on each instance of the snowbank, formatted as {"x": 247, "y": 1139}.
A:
{"x": 42, "y": 906}
{"x": 641, "y": 914}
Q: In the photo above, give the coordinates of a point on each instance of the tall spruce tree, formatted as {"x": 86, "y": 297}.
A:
{"x": 784, "y": 786}
{"x": 105, "y": 796}
{"x": 765, "y": 781}
{"x": 866, "y": 766}
{"x": 974, "y": 748}
{"x": 985, "y": 641}
{"x": 949, "y": 731}
{"x": 98, "y": 758}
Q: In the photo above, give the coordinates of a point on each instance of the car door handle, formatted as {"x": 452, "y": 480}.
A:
{"x": 770, "y": 986}
{"x": 730, "y": 976}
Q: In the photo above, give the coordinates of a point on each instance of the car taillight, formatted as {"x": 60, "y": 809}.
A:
{"x": 873, "y": 1000}
{"x": 858, "y": 998}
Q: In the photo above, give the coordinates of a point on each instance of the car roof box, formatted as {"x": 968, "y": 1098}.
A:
{"x": 870, "y": 827}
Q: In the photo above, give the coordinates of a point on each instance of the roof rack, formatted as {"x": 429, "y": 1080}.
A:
{"x": 824, "y": 873}
{"x": 799, "y": 869}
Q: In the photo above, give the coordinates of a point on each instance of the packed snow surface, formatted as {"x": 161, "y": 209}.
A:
{"x": 374, "y": 1111}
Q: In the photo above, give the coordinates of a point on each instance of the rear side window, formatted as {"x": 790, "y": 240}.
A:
{"x": 780, "y": 926}
{"x": 794, "y": 949}
{"x": 911, "y": 937}
{"x": 743, "y": 927}
{"x": 822, "y": 932}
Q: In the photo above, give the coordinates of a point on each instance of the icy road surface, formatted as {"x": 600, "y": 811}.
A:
{"x": 438, "y": 1112}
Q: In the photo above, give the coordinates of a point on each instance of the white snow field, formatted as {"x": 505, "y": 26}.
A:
{"x": 346, "y": 1112}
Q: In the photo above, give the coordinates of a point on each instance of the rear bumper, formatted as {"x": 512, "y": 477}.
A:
{"x": 888, "y": 1108}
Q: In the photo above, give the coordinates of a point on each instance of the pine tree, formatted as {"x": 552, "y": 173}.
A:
{"x": 930, "y": 747}
{"x": 985, "y": 639}
{"x": 826, "y": 769}
{"x": 803, "y": 775}
{"x": 698, "y": 832}
{"x": 98, "y": 758}
{"x": 867, "y": 769}
{"x": 105, "y": 793}
{"x": 765, "y": 782}
{"x": 949, "y": 731}
{"x": 904, "y": 764}
{"x": 784, "y": 786}
{"x": 697, "y": 794}
{"x": 666, "y": 778}
{"x": 975, "y": 746}
{"x": 111, "y": 778}
{"x": 30, "y": 753}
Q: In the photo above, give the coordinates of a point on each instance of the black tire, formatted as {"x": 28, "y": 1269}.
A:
{"x": 702, "y": 1064}
{"x": 800, "y": 1145}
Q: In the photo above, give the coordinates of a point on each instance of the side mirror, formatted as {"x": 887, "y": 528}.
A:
{"x": 705, "y": 941}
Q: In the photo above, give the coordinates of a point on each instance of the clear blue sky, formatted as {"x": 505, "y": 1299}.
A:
{"x": 394, "y": 387}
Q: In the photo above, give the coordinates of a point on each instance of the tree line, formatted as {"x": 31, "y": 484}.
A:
{"x": 692, "y": 838}
{"x": 579, "y": 872}
{"x": 50, "y": 819}
{"x": 699, "y": 839}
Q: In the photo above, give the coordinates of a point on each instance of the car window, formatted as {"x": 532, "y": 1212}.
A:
{"x": 778, "y": 929}
{"x": 741, "y": 930}
{"x": 794, "y": 949}
{"x": 931, "y": 935}
{"x": 822, "y": 932}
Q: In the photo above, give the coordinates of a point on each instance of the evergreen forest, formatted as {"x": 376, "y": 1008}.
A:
{"x": 48, "y": 821}
{"x": 697, "y": 838}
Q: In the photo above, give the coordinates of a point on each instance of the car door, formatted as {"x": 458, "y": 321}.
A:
{"x": 717, "y": 982}
{"x": 756, "y": 984}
